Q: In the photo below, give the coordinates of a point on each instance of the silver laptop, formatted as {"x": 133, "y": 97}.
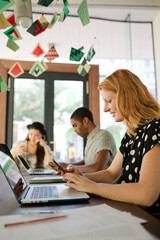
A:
{"x": 30, "y": 170}
{"x": 38, "y": 193}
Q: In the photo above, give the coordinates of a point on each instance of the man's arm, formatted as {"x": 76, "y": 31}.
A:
{"x": 101, "y": 160}
{"x": 64, "y": 165}
{"x": 79, "y": 163}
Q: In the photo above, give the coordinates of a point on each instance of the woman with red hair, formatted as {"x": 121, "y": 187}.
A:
{"x": 134, "y": 175}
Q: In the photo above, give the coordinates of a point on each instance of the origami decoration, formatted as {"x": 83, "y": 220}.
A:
{"x": 64, "y": 14}
{"x": 12, "y": 45}
{"x": 38, "y": 51}
{"x": 16, "y": 70}
{"x": 3, "y": 86}
{"x": 53, "y": 20}
{"x": 11, "y": 19}
{"x": 76, "y": 54}
{"x": 83, "y": 68}
{"x": 44, "y": 64}
{"x": 13, "y": 33}
{"x": 3, "y": 22}
{"x": 45, "y": 3}
{"x": 36, "y": 28}
{"x": 65, "y": 2}
{"x": 37, "y": 69}
{"x": 90, "y": 54}
{"x": 5, "y": 4}
{"x": 44, "y": 22}
{"x": 51, "y": 54}
{"x": 83, "y": 13}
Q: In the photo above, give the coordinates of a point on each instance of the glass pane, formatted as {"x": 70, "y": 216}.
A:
{"x": 68, "y": 95}
{"x": 28, "y": 105}
{"x": 107, "y": 122}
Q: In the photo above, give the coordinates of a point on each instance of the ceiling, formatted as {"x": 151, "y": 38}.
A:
{"x": 111, "y": 40}
{"x": 139, "y": 10}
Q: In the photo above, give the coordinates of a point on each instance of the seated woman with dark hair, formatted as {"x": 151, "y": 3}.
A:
{"x": 34, "y": 148}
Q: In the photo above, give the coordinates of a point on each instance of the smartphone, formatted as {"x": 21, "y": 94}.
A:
{"x": 59, "y": 166}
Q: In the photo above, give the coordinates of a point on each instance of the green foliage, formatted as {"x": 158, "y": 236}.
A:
{"x": 115, "y": 130}
{"x": 65, "y": 101}
{"x": 28, "y": 102}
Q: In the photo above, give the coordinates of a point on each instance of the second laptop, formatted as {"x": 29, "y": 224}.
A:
{"x": 33, "y": 171}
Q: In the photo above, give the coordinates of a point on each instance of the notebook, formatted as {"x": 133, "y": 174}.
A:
{"x": 30, "y": 170}
{"x": 49, "y": 179}
{"x": 38, "y": 193}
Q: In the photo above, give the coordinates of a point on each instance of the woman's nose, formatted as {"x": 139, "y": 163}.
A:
{"x": 106, "y": 108}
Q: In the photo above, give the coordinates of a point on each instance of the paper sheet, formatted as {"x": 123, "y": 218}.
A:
{"x": 83, "y": 12}
{"x": 3, "y": 22}
{"x": 89, "y": 223}
{"x": 3, "y": 86}
{"x": 16, "y": 70}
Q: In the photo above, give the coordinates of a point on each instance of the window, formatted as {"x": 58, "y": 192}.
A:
{"x": 51, "y": 100}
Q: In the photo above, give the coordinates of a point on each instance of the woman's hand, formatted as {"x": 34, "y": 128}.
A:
{"x": 41, "y": 142}
{"x": 79, "y": 182}
{"x": 21, "y": 148}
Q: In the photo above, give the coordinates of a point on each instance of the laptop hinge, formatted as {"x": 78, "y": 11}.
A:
{"x": 24, "y": 194}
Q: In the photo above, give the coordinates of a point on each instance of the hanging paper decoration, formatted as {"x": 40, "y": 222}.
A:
{"x": 65, "y": 2}
{"x": 3, "y": 22}
{"x": 53, "y": 20}
{"x": 16, "y": 70}
{"x": 37, "y": 69}
{"x": 3, "y": 86}
{"x": 36, "y": 28}
{"x": 45, "y": 3}
{"x": 64, "y": 14}
{"x": 12, "y": 45}
{"x": 83, "y": 68}
{"x": 13, "y": 33}
{"x": 44, "y": 64}
{"x": 76, "y": 54}
{"x": 90, "y": 54}
{"x": 83, "y": 13}
{"x": 38, "y": 51}
{"x": 51, "y": 54}
{"x": 11, "y": 19}
{"x": 5, "y": 4}
{"x": 44, "y": 22}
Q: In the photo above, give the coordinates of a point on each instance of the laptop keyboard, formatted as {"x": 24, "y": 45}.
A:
{"x": 44, "y": 192}
{"x": 38, "y": 170}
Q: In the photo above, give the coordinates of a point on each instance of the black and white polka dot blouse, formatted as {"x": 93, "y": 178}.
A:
{"x": 133, "y": 150}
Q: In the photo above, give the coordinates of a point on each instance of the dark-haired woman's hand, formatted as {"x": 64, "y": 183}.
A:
{"x": 41, "y": 142}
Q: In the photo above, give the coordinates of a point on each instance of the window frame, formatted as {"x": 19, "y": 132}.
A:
{"x": 91, "y": 88}
{"x": 48, "y": 78}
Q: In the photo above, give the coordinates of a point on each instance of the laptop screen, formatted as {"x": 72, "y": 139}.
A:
{"x": 23, "y": 161}
{"x": 12, "y": 173}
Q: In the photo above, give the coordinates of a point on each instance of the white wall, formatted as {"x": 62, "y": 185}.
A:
{"x": 156, "y": 32}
